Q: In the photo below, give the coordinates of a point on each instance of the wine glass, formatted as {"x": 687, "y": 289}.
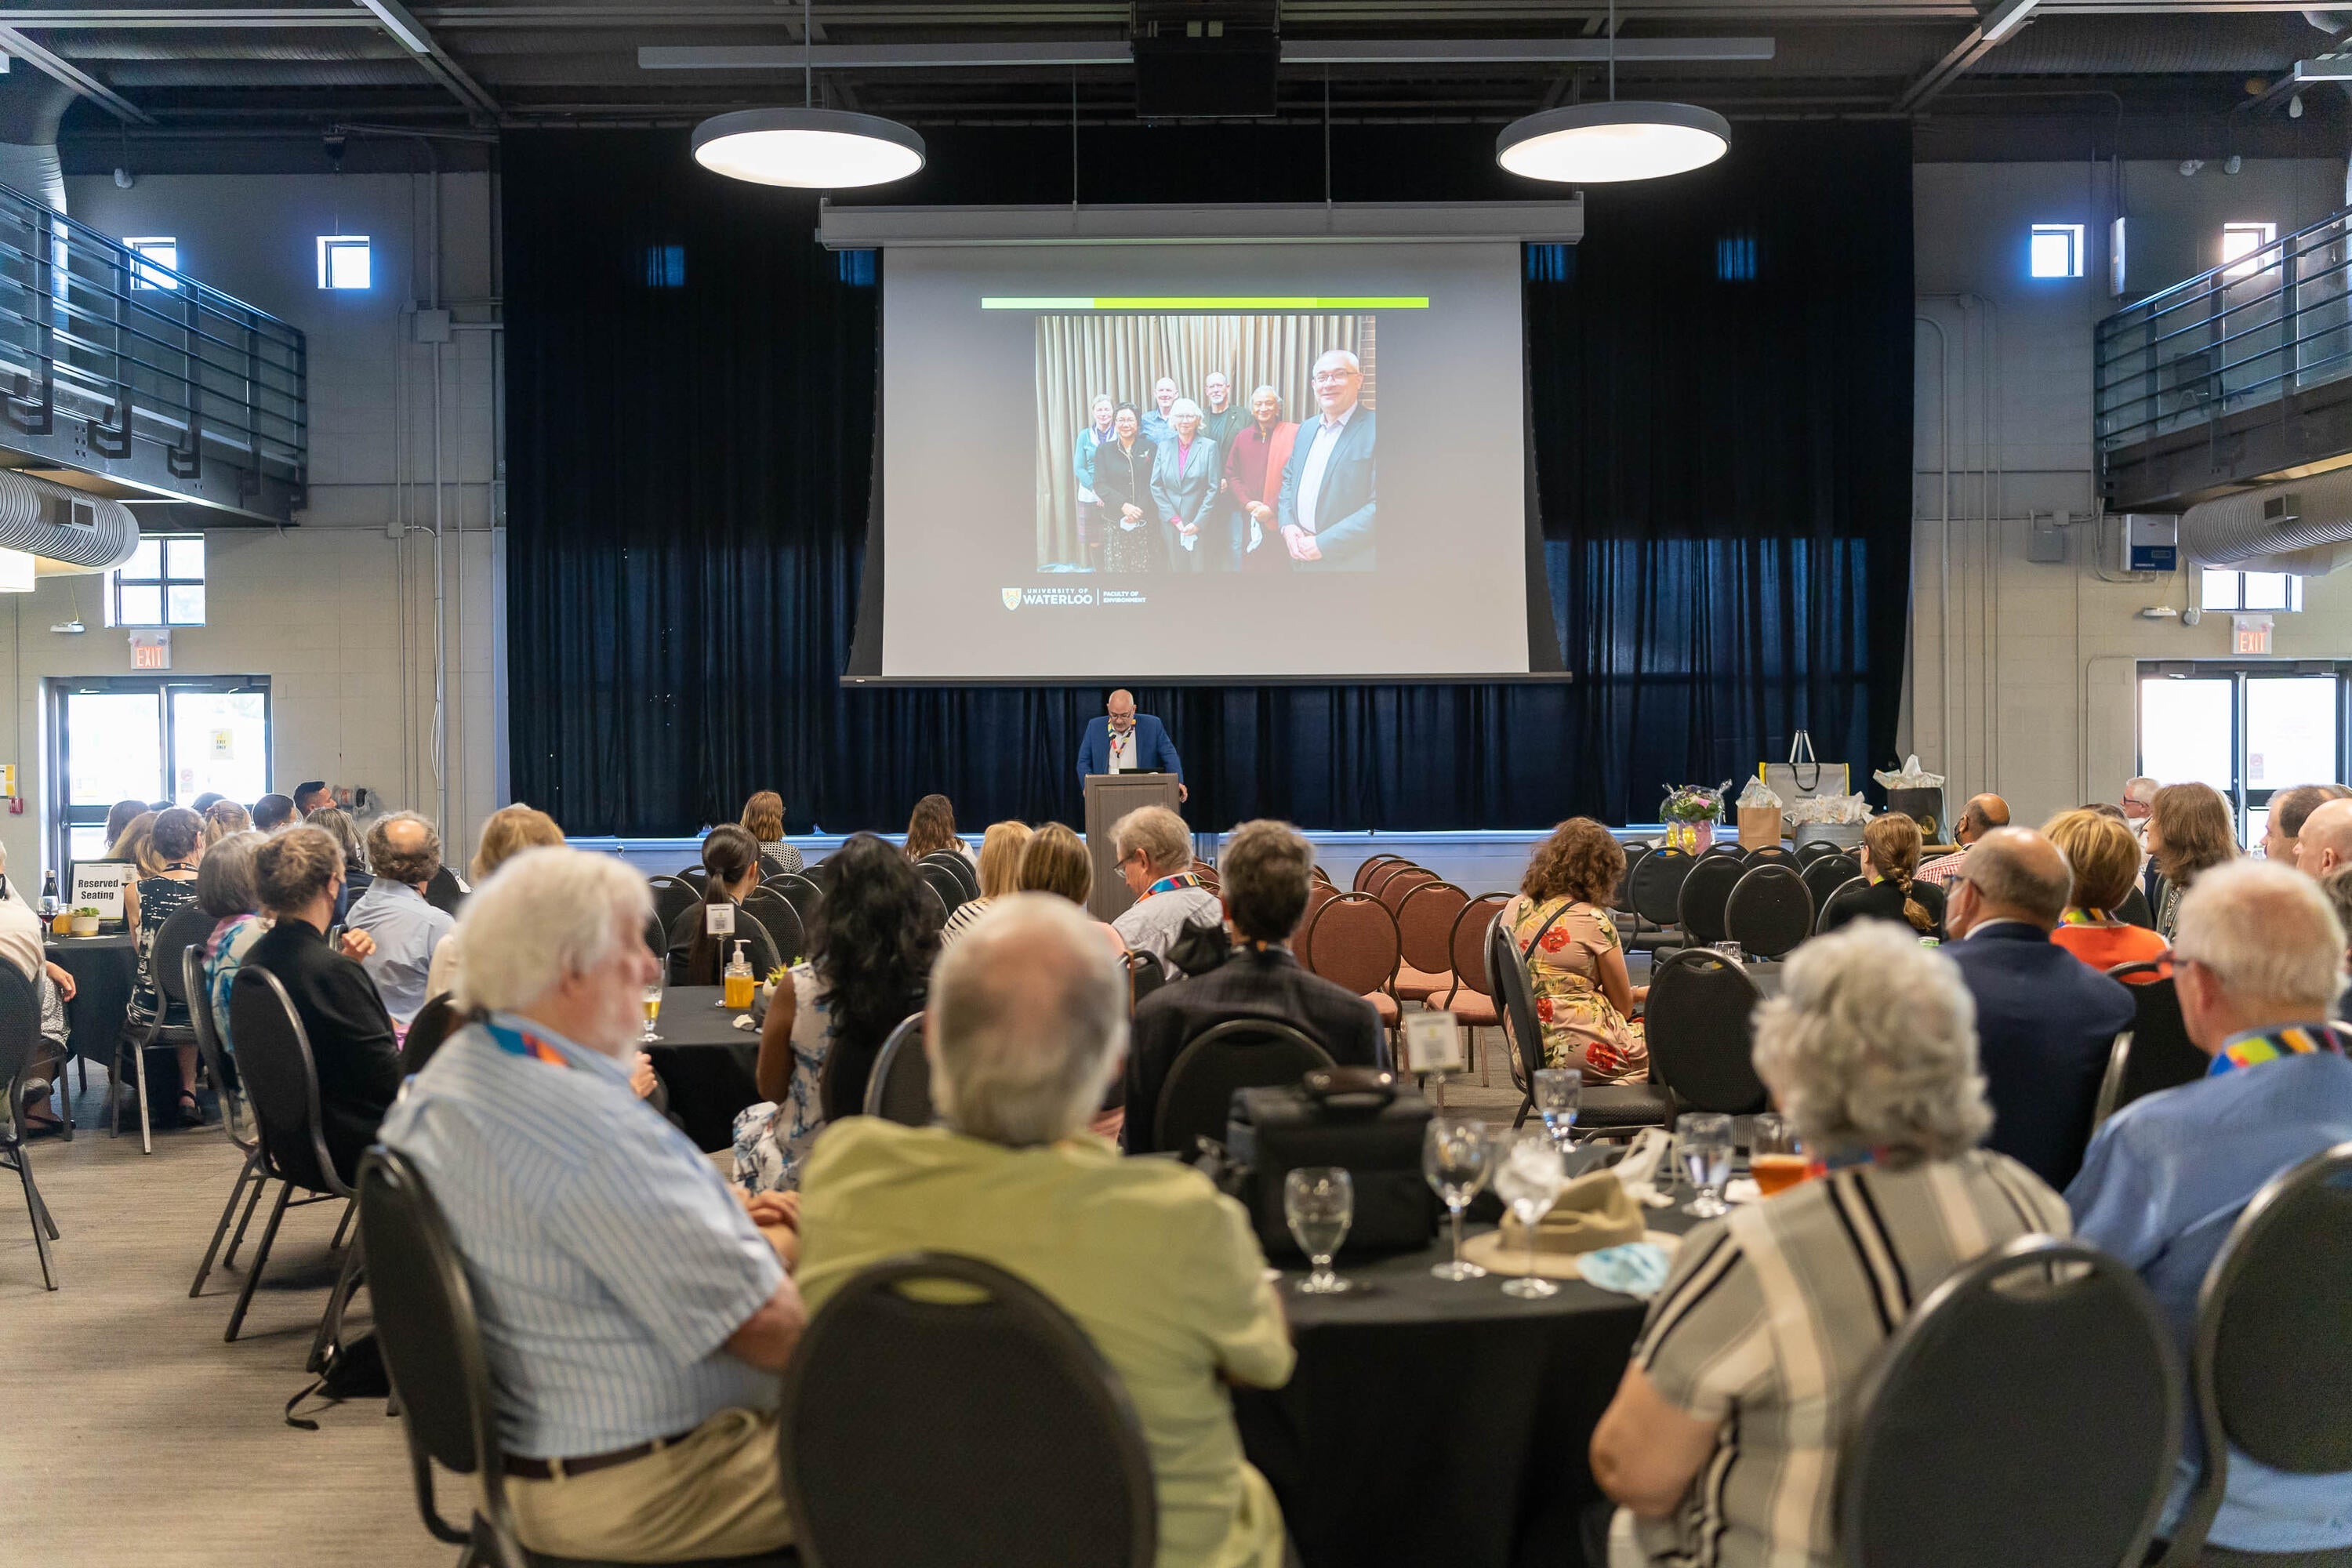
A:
{"x": 1320, "y": 1202}
{"x": 653, "y": 1011}
{"x": 1456, "y": 1157}
{"x": 1528, "y": 1177}
{"x": 1705, "y": 1141}
{"x": 1774, "y": 1158}
{"x": 1558, "y": 1091}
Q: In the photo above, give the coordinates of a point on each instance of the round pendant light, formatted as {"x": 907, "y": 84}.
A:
{"x": 812, "y": 149}
{"x": 1601, "y": 144}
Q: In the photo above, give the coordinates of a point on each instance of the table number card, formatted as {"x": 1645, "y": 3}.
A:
{"x": 719, "y": 920}
{"x": 1432, "y": 1044}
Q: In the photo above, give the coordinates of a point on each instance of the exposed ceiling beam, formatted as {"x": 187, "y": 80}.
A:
{"x": 22, "y": 47}
{"x": 1294, "y": 52}
{"x": 413, "y": 37}
{"x": 2004, "y": 19}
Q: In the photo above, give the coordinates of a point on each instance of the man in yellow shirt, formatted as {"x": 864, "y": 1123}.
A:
{"x": 1026, "y": 1028}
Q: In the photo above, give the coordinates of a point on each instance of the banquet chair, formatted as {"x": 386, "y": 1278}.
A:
{"x": 900, "y": 1088}
{"x": 1774, "y": 854}
{"x": 1770, "y": 910}
{"x": 1145, "y": 975}
{"x": 1316, "y": 874}
{"x": 444, "y": 892}
{"x": 956, "y": 865}
{"x": 440, "y": 1372}
{"x": 1606, "y": 1109}
{"x": 945, "y": 884}
{"x": 1825, "y": 874}
{"x": 435, "y": 1022}
{"x": 1656, "y": 889}
{"x": 2026, "y": 1412}
{"x": 1397, "y": 868}
{"x": 1813, "y": 849}
{"x": 934, "y": 904}
{"x": 697, "y": 877}
{"x": 281, "y": 1079}
{"x": 1352, "y": 941}
{"x": 20, "y": 1039}
{"x": 2133, "y": 910}
{"x": 186, "y": 928}
{"x": 1697, "y": 1024}
{"x": 1699, "y": 904}
{"x": 1395, "y": 887}
{"x": 232, "y": 1101}
{"x": 776, "y": 911}
{"x": 1424, "y": 931}
{"x": 1197, "y": 1098}
{"x": 672, "y": 897}
{"x": 2155, "y": 1052}
{"x": 1730, "y": 847}
{"x": 1471, "y": 1001}
{"x": 1620, "y": 897}
{"x": 939, "y": 1410}
{"x": 1317, "y": 895}
{"x": 801, "y": 890}
{"x": 1837, "y": 907}
{"x": 1365, "y": 867}
{"x": 2267, "y": 1367}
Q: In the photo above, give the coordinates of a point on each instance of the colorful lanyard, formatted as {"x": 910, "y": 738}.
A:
{"x": 2255, "y": 1049}
{"x": 1168, "y": 884}
{"x": 2087, "y": 916}
{"x": 523, "y": 1043}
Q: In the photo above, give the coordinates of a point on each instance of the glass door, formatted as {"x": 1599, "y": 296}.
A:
{"x": 2248, "y": 731}
{"x": 150, "y": 738}
{"x": 118, "y": 754}
{"x": 2292, "y": 737}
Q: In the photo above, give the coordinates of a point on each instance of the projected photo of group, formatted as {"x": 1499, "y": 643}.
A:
{"x": 1181, "y": 444}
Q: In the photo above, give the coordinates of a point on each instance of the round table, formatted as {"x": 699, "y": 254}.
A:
{"x": 1434, "y": 1422}
{"x": 709, "y": 1066}
{"x": 103, "y": 968}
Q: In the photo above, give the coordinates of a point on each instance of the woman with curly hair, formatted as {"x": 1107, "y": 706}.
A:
{"x": 871, "y": 948}
{"x": 931, "y": 828}
{"x": 2188, "y": 832}
{"x": 1576, "y": 965}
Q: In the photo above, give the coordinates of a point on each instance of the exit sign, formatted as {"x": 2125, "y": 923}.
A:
{"x": 2251, "y": 634}
{"x": 151, "y": 650}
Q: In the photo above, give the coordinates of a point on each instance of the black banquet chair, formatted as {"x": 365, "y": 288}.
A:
{"x": 673, "y": 896}
{"x": 1197, "y": 1098}
{"x": 1841, "y": 906}
{"x": 186, "y": 928}
{"x": 900, "y": 1088}
{"x": 20, "y": 1037}
{"x": 2026, "y": 1413}
{"x": 973, "y": 1423}
{"x": 1654, "y": 888}
{"x": 1825, "y": 874}
{"x": 1770, "y": 910}
{"x": 444, "y": 892}
{"x": 440, "y": 1373}
{"x": 945, "y": 883}
{"x": 1705, "y": 893}
{"x": 2155, "y": 1052}
{"x": 232, "y": 1101}
{"x": 1698, "y": 1028}
{"x": 1604, "y": 1109}
{"x": 967, "y": 877}
{"x": 775, "y": 912}
{"x": 2269, "y": 1371}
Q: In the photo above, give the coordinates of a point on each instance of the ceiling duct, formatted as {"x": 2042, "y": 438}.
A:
{"x": 31, "y": 105}
{"x": 2305, "y": 527}
{"x": 68, "y": 531}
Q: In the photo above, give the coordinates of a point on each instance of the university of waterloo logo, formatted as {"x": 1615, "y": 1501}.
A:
{"x": 1011, "y": 599}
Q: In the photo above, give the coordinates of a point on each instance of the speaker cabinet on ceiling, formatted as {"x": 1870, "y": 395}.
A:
{"x": 1206, "y": 59}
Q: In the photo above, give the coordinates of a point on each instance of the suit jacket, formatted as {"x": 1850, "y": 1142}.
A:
{"x": 1347, "y": 506}
{"x": 2046, "y": 1024}
{"x": 1254, "y": 983}
{"x": 1185, "y": 497}
{"x": 350, "y": 1035}
{"x": 1154, "y": 751}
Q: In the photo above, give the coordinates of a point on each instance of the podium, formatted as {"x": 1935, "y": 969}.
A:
{"x": 1111, "y": 797}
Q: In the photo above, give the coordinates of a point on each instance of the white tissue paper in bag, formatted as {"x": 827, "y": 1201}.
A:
{"x": 1758, "y": 792}
{"x": 1910, "y": 775}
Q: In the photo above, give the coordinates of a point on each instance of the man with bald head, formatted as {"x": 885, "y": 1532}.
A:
{"x": 2046, "y": 1022}
{"x": 1125, "y": 742}
{"x": 404, "y": 853}
{"x": 2324, "y": 845}
{"x": 1026, "y": 1027}
{"x": 1980, "y": 816}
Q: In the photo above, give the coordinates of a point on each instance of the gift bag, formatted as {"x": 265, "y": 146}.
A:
{"x": 1803, "y": 775}
{"x": 1917, "y": 795}
{"x": 1760, "y": 817}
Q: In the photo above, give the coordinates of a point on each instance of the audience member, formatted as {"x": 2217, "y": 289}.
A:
{"x": 273, "y": 812}
{"x": 2139, "y": 799}
{"x": 1155, "y": 857}
{"x": 1163, "y": 1272}
{"x": 226, "y": 889}
{"x": 2258, "y": 959}
{"x": 931, "y": 828}
{"x": 2046, "y": 1024}
{"x": 2326, "y": 842}
{"x": 871, "y": 946}
{"x": 1758, "y": 1350}
{"x": 356, "y": 875}
{"x": 174, "y": 841}
{"x": 506, "y": 832}
{"x": 2337, "y": 886}
{"x": 404, "y": 851}
{"x": 1266, "y": 871}
{"x": 1054, "y": 860}
{"x": 634, "y": 1311}
{"x": 1891, "y": 861}
{"x": 763, "y": 818}
{"x": 135, "y": 846}
{"x": 1980, "y": 816}
{"x": 299, "y": 875}
{"x": 1575, "y": 963}
{"x": 21, "y": 943}
{"x": 312, "y": 796}
{"x": 2190, "y": 831}
{"x": 119, "y": 816}
{"x": 1000, "y": 871}
{"x": 2289, "y": 809}
{"x": 206, "y": 801}
{"x": 2103, "y": 858}
{"x": 222, "y": 818}
{"x": 730, "y": 864}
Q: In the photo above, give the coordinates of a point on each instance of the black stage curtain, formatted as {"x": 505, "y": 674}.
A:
{"x": 1720, "y": 382}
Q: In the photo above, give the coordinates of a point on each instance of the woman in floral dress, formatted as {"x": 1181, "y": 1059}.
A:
{"x": 1575, "y": 963}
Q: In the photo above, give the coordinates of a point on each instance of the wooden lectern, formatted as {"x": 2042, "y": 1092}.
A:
{"x": 1111, "y": 797}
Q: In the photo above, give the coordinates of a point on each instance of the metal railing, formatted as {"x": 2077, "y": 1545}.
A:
{"x": 2244, "y": 334}
{"x": 96, "y": 338}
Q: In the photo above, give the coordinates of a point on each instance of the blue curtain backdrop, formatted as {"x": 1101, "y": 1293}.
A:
{"x": 1720, "y": 382}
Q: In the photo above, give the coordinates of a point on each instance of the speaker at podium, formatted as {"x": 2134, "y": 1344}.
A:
{"x": 1111, "y": 797}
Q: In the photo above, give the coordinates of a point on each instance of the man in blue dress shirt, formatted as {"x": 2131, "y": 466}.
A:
{"x": 1125, "y": 742}
{"x": 2257, "y": 961}
{"x": 404, "y": 853}
{"x": 635, "y": 1307}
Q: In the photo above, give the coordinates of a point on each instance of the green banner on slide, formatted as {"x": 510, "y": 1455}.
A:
{"x": 1210, "y": 303}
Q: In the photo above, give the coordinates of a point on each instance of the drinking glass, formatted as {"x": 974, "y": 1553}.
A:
{"x": 1730, "y": 950}
{"x": 1320, "y": 1202}
{"x": 1528, "y": 1177}
{"x": 1705, "y": 1139}
{"x": 1774, "y": 1158}
{"x": 653, "y": 1011}
{"x": 1457, "y": 1157}
{"x": 1558, "y": 1092}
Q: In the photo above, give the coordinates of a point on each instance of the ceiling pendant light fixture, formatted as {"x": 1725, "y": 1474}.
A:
{"x": 1603, "y": 144}
{"x": 808, "y": 148}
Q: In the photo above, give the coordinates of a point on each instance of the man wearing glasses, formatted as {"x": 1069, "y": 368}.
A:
{"x": 1329, "y": 506}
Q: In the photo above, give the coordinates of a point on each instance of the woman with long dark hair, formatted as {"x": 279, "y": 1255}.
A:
{"x": 731, "y": 861}
{"x": 871, "y": 947}
{"x": 931, "y": 828}
{"x": 2190, "y": 831}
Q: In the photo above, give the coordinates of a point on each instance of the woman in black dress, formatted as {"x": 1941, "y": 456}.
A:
{"x": 1123, "y": 481}
{"x": 176, "y": 841}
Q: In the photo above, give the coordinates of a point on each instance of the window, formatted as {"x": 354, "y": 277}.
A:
{"x": 343, "y": 261}
{"x": 2055, "y": 250}
{"x": 163, "y": 252}
{"x": 2251, "y": 591}
{"x": 2247, "y": 730}
{"x": 155, "y": 738}
{"x": 2244, "y": 244}
{"x": 163, "y": 583}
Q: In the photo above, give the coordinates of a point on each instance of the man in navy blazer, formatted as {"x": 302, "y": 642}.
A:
{"x": 2046, "y": 1020}
{"x": 1139, "y": 741}
{"x": 1329, "y": 506}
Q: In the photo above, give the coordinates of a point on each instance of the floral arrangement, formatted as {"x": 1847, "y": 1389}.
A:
{"x": 1692, "y": 803}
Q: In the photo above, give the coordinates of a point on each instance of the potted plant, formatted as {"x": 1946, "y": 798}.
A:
{"x": 1690, "y": 814}
{"x": 85, "y": 921}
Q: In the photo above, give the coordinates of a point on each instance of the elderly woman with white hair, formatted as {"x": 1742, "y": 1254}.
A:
{"x": 1774, "y": 1314}
{"x": 1026, "y": 1024}
{"x": 1185, "y": 476}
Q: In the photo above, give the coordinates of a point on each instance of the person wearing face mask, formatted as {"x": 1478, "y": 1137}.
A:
{"x": 1125, "y": 742}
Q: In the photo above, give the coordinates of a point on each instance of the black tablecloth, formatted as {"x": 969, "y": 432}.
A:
{"x": 1432, "y": 1423}
{"x": 101, "y": 968}
{"x": 709, "y": 1066}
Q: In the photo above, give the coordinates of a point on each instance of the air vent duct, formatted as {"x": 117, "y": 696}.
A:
{"x": 66, "y": 529}
{"x": 2305, "y": 527}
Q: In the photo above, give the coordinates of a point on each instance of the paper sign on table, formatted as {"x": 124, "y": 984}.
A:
{"x": 1432, "y": 1043}
{"x": 719, "y": 920}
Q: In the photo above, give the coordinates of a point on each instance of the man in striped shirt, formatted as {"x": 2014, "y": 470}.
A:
{"x": 1772, "y": 1314}
{"x": 635, "y": 1310}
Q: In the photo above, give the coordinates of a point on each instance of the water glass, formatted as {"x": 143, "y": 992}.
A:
{"x": 1455, "y": 1158}
{"x": 1705, "y": 1141}
{"x": 1528, "y": 1177}
{"x": 1774, "y": 1158}
{"x": 1320, "y": 1202}
{"x": 1730, "y": 950}
{"x": 653, "y": 1011}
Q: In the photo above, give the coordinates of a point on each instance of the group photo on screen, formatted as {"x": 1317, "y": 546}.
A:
{"x": 1178, "y": 444}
